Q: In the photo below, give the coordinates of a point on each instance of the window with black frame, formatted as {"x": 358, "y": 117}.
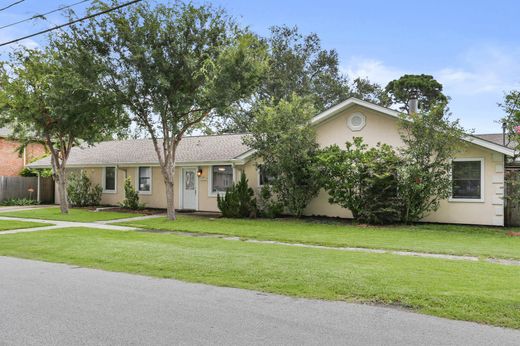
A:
{"x": 467, "y": 179}
{"x": 110, "y": 178}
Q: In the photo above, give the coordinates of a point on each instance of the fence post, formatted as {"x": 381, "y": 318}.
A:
{"x": 38, "y": 188}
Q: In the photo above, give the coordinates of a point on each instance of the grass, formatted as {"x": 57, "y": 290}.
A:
{"x": 77, "y": 215}
{"x": 474, "y": 291}
{"x": 446, "y": 239}
{"x": 6, "y": 225}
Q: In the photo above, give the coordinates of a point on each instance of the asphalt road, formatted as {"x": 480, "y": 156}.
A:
{"x": 54, "y": 304}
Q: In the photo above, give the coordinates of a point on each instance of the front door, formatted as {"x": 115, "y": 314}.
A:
{"x": 189, "y": 188}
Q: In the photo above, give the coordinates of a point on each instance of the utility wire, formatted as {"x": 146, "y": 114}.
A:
{"x": 70, "y": 23}
{"x": 42, "y": 15}
{"x": 11, "y": 5}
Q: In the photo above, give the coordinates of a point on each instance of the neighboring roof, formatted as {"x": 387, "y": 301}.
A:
{"x": 192, "y": 149}
{"x": 5, "y": 132}
{"x": 491, "y": 145}
{"x": 497, "y": 138}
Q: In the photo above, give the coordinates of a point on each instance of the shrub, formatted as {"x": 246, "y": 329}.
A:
{"x": 19, "y": 201}
{"x": 239, "y": 201}
{"x": 81, "y": 192}
{"x": 131, "y": 200}
{"x": 268, "y": 206}
{"x": 362, "y": 180}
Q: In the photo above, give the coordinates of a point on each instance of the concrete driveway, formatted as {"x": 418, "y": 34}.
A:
{"x": 54, "y": 304}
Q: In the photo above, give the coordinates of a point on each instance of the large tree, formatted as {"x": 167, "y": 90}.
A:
{"x": 298, "y": 64}
{"x": 425, "y": 88}
{"x": 285, "y": 141}
{"x": 511, "y": 106}
{"x": 173, "y": 65}
{"x": 57, "y": 95}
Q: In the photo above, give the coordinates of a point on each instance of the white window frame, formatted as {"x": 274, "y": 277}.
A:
{"x": 210, "y": 179}
{"x": 482, "y": 190}
{"x": 104, "y": 175}
{"x": 137, "y": 180}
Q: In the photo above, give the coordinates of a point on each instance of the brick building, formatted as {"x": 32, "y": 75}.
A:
{"x": 10, "y": 162}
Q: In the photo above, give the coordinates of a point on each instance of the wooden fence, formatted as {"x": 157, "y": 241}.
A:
{"x": 27, "y": 187}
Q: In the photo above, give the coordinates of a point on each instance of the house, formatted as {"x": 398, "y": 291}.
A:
{"x": 207, "y": 165}
{"x": 11, "y": 162}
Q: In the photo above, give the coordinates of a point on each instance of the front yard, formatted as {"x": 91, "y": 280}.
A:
{"x": 474, "y": 291}
{"x": 75, "y": 215}
{"x": 445, "y": 239}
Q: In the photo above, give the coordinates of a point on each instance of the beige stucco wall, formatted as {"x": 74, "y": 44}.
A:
{"x": 384, "y": 129}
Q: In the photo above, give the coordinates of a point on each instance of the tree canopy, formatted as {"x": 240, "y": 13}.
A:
{"x": 425, "y": 88}
{"x": 172, "y": 66}
{"x": 58, "y": 96}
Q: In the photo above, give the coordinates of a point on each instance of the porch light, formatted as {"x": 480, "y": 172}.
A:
{"x": 199, "y": 172}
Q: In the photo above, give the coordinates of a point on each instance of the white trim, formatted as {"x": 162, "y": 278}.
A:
{"x": 482, "y": 181}
{"x": 181, "y": 187}
{"x": 137, "y": 180}
{"x": 353, "y": 126}
{"x": 104, "y": 180}
{"x": 210, "y": 180}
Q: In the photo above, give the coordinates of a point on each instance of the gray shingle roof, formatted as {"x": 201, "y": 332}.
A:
{"x": 495, "y": 138}
{"x": 141, "y": 151}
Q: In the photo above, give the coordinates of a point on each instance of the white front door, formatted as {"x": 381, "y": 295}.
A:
{"x": 189, "y": 188}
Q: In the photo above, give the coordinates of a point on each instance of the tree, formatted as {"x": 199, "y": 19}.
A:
{"x": 57, "y": 95}
{"x": 173, "y": 66}
{"x": 424, "y": 87}
{"x": 363, "y": 89}
{"x": 431, "y": 141}
{"x": 362, "y": 180}
{"x": 297, "y": 65}
{"x": 284, "y": 139}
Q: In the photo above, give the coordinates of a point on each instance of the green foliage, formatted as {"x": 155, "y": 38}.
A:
{"x": 81, "y": 192}
{"x": 283, "y": 138}
{"x": 431, "y": 141}
{"x": 511, "y": 106}
{"x": 268, "y": 205}
{"x": 131, "y": 200}
{"x": 362, "y": 180}
{"x": 173, "y": 65}
{"x": 58, "y": 96}
{"x": 33, "y": 172}
{"x": 19, "y": 201}
{"x": 427, "y": 90}
{"x": 239, "y": 201}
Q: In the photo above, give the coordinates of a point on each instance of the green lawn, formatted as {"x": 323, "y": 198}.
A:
{"x": 78, "y": 215}
{"x": 447, "y": 239}
{"x": 6, "y": 225}
{"x": 475, "y": 291}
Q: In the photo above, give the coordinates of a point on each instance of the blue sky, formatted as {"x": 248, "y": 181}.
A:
{"x": 472, "y": 48}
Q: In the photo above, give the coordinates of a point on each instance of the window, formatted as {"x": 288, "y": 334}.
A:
{"x": 263, "y": 177}
{"x": 356, "y": 122}
{"x": 221, "y": 178}
{"x": 110, "y": 179}
{"x": 467, "y": 179}
{"x": 145, "y": 179}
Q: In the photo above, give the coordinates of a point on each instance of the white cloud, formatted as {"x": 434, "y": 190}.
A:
{"x": 373, "y": 69}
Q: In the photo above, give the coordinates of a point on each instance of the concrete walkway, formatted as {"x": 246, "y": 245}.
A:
{"x": 53, "y": 224}
{"x": 56, "y": 304}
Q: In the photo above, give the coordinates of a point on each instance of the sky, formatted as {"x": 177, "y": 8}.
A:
{"x": 471, "y": 47}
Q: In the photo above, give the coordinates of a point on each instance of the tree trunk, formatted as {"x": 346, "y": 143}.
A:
{"x": 169, "y": 179}
{"x": 62, "y": 191}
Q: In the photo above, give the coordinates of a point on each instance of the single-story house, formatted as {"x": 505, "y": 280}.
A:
{"x": 207, "y": 165}
{"x": 11, "y": 162}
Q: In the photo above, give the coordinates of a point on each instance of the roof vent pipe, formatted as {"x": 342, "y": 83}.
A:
{"x": 413, "y": 103}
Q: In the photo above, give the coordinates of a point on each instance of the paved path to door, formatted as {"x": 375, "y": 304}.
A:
{"x": 56, "y": 304}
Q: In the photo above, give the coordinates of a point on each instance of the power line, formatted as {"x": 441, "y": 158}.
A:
{"x": 11, "y": 5}
{"x": 70, "y": 23}
{"x": 42, "y": 15}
